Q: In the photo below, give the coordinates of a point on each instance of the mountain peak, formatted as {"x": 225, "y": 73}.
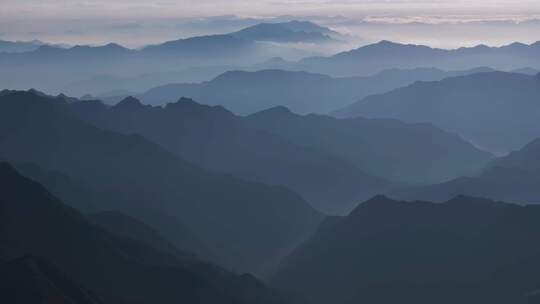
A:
{"x": 378, "y": 202}
{"x": 278, "y": 111}
{"x": 113, "y": 45}
{"x": 129, "y": 102}
{"x": 388, "y": 43}
{"x": 274, "y": 114}
{"x": 190, "y": 105}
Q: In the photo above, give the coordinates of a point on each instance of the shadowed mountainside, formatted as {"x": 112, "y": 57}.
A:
{"x": 409, "y": 153}
{"x": 120, "y": 269}
{"x": 466, "y": 250}
{"x": 217, "y": 139}
{"x": 251, "y": 225}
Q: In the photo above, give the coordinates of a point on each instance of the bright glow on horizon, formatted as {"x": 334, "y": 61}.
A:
{"x": 251, "y": 8}
{"x": 138, "y": 22}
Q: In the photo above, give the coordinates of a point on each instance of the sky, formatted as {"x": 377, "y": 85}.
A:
{"x": 136, "y": 22}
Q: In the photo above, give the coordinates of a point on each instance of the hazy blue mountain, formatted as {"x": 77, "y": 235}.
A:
{"x": 74, "y": 193}
{"x": 80, "y": 54}
{"x": 247, "y": 92}
{"x": 31, "y": 279}
{"x": 249, "y": 224}
{"x": 19, "y": 46}
{"x": 466, "y": 250}
{"x": 81, "y": 70}
{"x": 293, "y": 31}
{"x": 306, "y": 26}
{"x": 527, "y": 71}
{"x": 119, "y": 269}
{"x": 217, "y": 139}
{"x": 126, "y": 226}
{"x": 410, "y": 153}
{"x": 513, "y": 178}
{"x": 496, "y": 111}
{"x": 212, "y": 48}
{"x": 376, "y": 57}
{"x": 77, "y": 194}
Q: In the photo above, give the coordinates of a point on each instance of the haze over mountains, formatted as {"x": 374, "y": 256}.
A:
{"x": 386, "y": 54}
{"x": 210, "y": 55}
{"x": 118, "y": 268}
{"x": 496, "y": 111}
{"x": 84, "y": 70}
{"x": 408, "y": 153}
{"x": 128, "y": 173}
{"x": 513, "y": 178}
{"x": 356, "y": 161}
{"x": 246, "y": 92}
{"x": 266, "y": 164}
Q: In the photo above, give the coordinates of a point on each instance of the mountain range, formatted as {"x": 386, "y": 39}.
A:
{"x": 496, "y": 111}
{"x": 249, "y": 225}
{"x": 216, "y": 139}
{"x": 81, "y": 70}
{"x": 397, "y": 151}
{"x": 246, "y": 92}
{"x": 384, "y": 55}
{"x": 466, "y": 250}
{"x": 19, "y": 46}
{"x": 73, "y": 252}
{"x": 513, "y": 178}
{"x": 332, "y": 163}
{"x": 77, "y": 69}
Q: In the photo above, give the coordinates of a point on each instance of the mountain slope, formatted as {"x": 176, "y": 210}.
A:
{"x": 125, "y": 226}
{"x": 34, "y": 280}
{"x": 466, "y": 250}
{"x": 293, "y": 31}
{"x": 249, "y": 92}
{"x": 410, "y": 153}
{"x": 513, "y": 178}
{"x": 120, "y": 269}
{"x": 377, "y": 57}
{"x": 217, "y": 139}
{"x": 251, "y": 225}
{"x": 496, "y": 111}
{"x": 19, "y": 46}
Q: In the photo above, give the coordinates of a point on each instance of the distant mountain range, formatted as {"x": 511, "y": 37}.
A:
{"x": 514, "y": 178}
{"x": 94, "y": 70}
{"x": 496, "y": 111}
{"x": 19, "y": 46}
{"x": 407, "y": 153}
{"x": 247, "y": 92}
{"x": 322, "y": 158}
{"x": 466, "y": 250}
{"x": 218, "y": 140}
{"x": 377, "y": 57}
{"x": 80, "y": 68}
{"x": 73, "y": 252}
{"x": 248, "y": 225}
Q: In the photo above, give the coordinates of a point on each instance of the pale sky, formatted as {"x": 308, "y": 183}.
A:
{"x": 136, "y": 22}
{"x": 194, "y": 8}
